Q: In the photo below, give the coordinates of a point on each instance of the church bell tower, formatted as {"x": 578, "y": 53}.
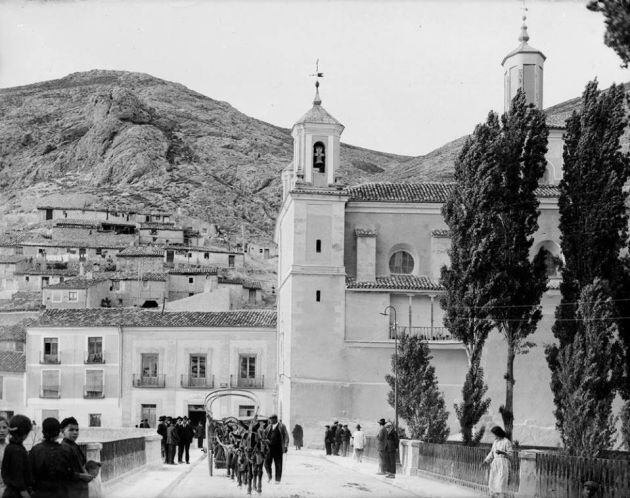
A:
{"x": 524, "y": 69}
{"x": 311, "y": 288}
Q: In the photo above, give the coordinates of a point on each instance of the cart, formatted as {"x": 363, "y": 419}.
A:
{"x": 216, "y": 454}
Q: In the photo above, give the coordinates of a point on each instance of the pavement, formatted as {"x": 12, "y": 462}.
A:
{"x": 307, "y": 473}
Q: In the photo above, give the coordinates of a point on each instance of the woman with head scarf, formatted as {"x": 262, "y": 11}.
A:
{"x": 499, "y": 460}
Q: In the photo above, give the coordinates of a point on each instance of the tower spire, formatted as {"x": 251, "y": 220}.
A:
{"x": 524, "y": 36}
{"x": 317, "y": 100}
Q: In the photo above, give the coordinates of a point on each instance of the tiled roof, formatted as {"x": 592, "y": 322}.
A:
{"x": 72, "y": 222}
{"x": 246, "y": 283}
{"x": 87, "y": 242}
{"x": 160, "y": 226}
{"x": 77, "y": 283}
{"x": 104, "y": 210}
{"x": 120, "y": 275}
{"x": 12, "y": 361}
{"x": 22, "y": 301}
{"x": 176, "y": 247}
{"x": 441, "y": 234}
{"x": 318, "y": 115}
{"x": 396, "y": 282}
{"x": 129, "y": 317}
{"x": 210, "y": 270}
{"x": 10, "y": 259}
{"x": 141, "y": 252}
{"x": 417, "y": 192}
{"x": 65, "y": 272}
{"x": 15, "y": 332}
{"x": 364, "y": 232}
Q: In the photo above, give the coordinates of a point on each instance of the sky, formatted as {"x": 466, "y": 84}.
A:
{"x": 403, "y": 76}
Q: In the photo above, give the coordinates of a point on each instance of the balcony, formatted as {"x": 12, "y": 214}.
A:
{"x": 49, "y": 359}
{"x": 94, "y": 358}
{"x": 189, "y": 382}
{"x": 93, "y": 392}
{"x": 154, "y": 381}
{"x": 50, "y": 392}
{"x": 425, "y": 333}
{"x": 248, "y": 383}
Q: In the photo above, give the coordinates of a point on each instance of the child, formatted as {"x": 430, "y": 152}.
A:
{"x": 95, "y": 486}
{"x": 16, "y": 471}
{"x": 4, "y": 431}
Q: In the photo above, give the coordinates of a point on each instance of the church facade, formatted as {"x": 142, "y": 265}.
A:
{"x": 359, "y": 264}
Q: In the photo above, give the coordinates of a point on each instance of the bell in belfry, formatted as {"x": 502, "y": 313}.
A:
{"x": 319, "y": 157}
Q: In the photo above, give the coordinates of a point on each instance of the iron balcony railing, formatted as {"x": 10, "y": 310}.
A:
{"x": 50, "y": 391}
{"x": 190, "y": 382}
{"x": 149, "y": 380}
{"x": 248, "y": 382}
{"x": 94, "y": 358}
{"x": 426, "y": 333}
{"x": 93, "y": 392}
{"x": 49, "y": 359}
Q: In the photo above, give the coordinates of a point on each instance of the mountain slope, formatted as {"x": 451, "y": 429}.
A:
{"x": 127, "y": 139}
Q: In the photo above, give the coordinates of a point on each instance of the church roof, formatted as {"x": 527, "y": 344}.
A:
{"x": 318, "y": 115}
{"x": 523, "y": 48}
{"x": 418, "y": 192}
{"x": 396, "y": 282}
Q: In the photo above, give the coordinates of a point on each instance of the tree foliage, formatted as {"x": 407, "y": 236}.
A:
{"x": 625, "y": 425}
{"x": 474, "y": 405}
{"x": 593, "y": 219}
{"x": 420, "y": 402}
{"x": 617, "y": 18}
{"x": 585, "y": 372}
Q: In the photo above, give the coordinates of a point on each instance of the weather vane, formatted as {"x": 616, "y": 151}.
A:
{"x": 524, "y": 9}
{"x": 317, "y": 73}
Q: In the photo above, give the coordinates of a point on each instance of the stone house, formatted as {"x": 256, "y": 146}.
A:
{"x": 115, "y": 367}
{"x": 38, "y": 278}
{"x": 50, "y": 212}
{"x": 203, "y": 256}
{"x": 12, "y": 378}
{"x": 184, "y": 282}
{"x": 140, "y": 260}
{"x": 148, "y": 290}
{"x": 76, "y": 293}
{"x": 160, "y": 233}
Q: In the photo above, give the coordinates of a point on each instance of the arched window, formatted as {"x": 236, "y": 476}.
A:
{"x": 553, "y": 258}
{"x": 401, "y": 262}
{"x": 319, "y": 157}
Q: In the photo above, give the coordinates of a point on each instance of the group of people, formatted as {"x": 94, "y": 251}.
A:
{"x": 51, "y": 469}
{"x": 337, "y": 440}
{"x": 177, "y": 435}
{"x": 387, "y": 440}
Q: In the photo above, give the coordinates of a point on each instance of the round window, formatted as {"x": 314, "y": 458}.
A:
{"x": 401, "y": 262}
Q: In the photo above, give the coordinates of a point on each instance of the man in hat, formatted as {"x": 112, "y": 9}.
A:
{"x": 381, "y": 447}
{"x": 333, "y": 434}
{"x": 328, "y": 440}
{"x": 278, "y": 436}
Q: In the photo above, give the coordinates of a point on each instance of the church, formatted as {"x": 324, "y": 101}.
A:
{"x": 360, "y": 264}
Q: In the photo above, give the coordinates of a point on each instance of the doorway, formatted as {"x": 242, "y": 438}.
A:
{"x": 148, "y": 412}
{"x": 196, "y": 413}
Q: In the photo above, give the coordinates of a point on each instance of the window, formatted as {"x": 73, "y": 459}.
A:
{"x": 150, "y": 364}
{"x": 189, "y": 255}
{"x": 401, "y": 262}
{"x": 95, "y": 350}
{"x": 45, "y": 281}
{"x": 72, "y": 296}
{"x": 206, "y": 255}
{"x": 248, "y": 366}
{"x": 51, "y": 350}
{"x": 19, "y": 250}
{"x": 71, "y": 250}
{"x": 94, "y": 420}
{"x": 252, "y": 296}
{"x": 94, "y": 384}
{"x": 99, "y": 251}
{"x": 56, "y": 297}
{"x": 246, "y": 410}
{"x": 40, "y": 251}
{"x": 197, "y": 366}
{"x": 231, "y": 259}
{"x": 116, "y": 285}
{"x": 318, "y": 296}
{"x": 145, "y": 284}
{"x": 319, "y": 157}
{"x": 50, "y": 383}
{"x": 27, "y": 278}
{"x": 318, "y": 246}
{"x": 191, "y": 280}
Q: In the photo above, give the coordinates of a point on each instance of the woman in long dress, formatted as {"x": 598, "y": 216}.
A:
{"x": 499, "y": 460}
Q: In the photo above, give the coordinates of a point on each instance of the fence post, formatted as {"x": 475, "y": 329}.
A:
{"x": 409, "y": 452}
{"x": 153, "y": 450}
{"x": 528, "y": 478}
{"x": 93, "y": 451}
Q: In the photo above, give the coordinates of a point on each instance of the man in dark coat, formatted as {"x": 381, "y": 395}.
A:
{"x": 392, "y": 450}
{"x": 171, "y": 440}
{"x": 178, "y": 437}
{"x": 186, "y": 435}
{"x": 345, "y": 440}
{"x": 333, "y": 434}
{"x": 161, "y": 430}
{"x": 338, "y": 436}
{"x": 328, "y": 440}
{"x": 74, "y": 460}
{"x": 381, "y": 447}
{"x": 46, "y": 460}
{"x": 278, "y": 436}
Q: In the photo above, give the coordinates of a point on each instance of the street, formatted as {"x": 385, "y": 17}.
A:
{"x": 307, "y": 473}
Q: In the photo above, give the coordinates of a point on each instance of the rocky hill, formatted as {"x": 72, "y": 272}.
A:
{"x": 132, "y": 140}
{"x": 126, "y": 139}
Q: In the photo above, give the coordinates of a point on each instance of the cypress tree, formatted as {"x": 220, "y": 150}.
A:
{"x": 420, "y": 402}
{"x": 617, "y": 18}
{"x": 593, "y": 222}
{"x": 468, "y": 293}
{"x": 585, "y": 374}
{"x": 518, "y": 163}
